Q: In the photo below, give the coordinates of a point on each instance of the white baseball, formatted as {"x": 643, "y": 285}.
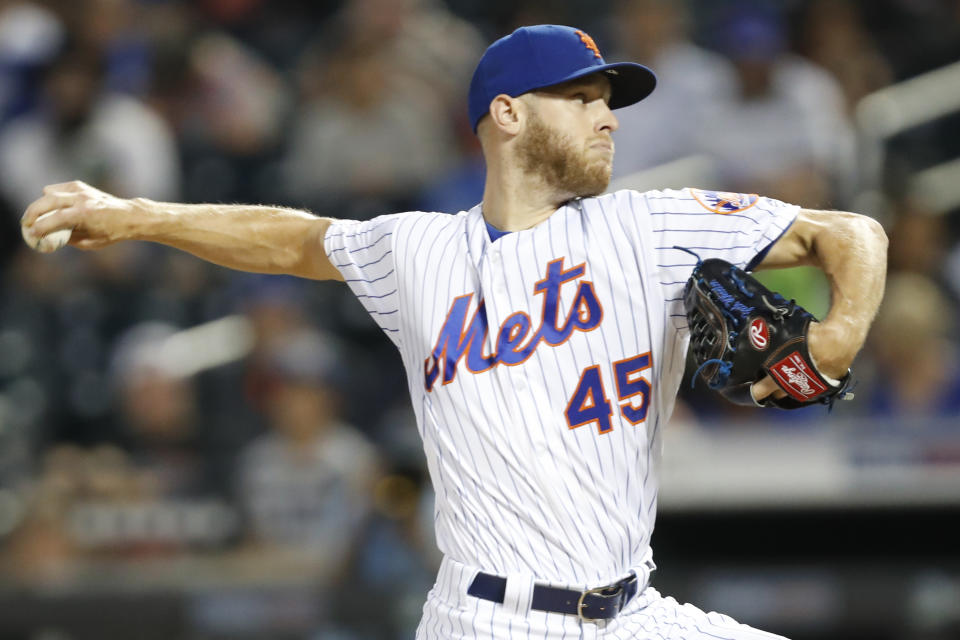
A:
{"x": 48, "y": 243}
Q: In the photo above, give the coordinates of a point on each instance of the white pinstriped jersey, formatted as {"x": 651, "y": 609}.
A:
{"x": 543, "y": 365}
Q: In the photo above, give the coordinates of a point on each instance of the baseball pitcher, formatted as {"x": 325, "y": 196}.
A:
{"x": 544, "y": 335}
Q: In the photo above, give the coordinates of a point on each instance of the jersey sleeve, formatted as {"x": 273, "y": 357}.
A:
{"x": 737, "y": 227}
{"x": 363, "y": 252}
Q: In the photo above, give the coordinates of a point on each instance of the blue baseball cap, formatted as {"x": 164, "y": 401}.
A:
{"x": 547, "y": 54}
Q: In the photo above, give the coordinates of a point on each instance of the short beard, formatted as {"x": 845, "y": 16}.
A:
{"x": 552, "y": 155}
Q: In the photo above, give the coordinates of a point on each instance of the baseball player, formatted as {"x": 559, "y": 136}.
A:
{"x": 542, "y": 333}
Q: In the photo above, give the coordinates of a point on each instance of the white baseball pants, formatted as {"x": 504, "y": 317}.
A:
{"x": 451, "y": 614}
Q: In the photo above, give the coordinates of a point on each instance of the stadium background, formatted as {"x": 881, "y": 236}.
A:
{"x": 187, "y": 452}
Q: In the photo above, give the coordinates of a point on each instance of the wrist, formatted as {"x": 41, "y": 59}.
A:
{"x": 832, "y": 347}
{"x": 823, "y": 374}
{"x": 145, "y": 221}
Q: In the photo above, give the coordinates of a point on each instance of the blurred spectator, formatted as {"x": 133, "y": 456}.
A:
{"x": 83, "y": 132}
{"x": 95, "y": 503}
{"x": 157, "y": 410}
{"x": 457, "y": 187}
{"x": 305, "y": 485}
{"x": 275, "y": 307}
{"x": 58, "y": 314}
{"x": 917, "y": 354}
{"x": 461, "y": 187}
{"x": 114, "y": 29}
{"x": 691, "y": 82}
{"x": 237, "y": 395}
{"x": 241, "y": 98}
{"x": 786, "y": 133}
{"x": 228, "y": 106}
{"x": 425, "y": 44}
{"x": 385, "y": 91}
{"x": 40, "y": 550}
{"x": 370, "y": 140}
{"x": 30, "y": 35}
{"x": 395, "y": 557}
{"x": 918, "y": 241}
{"x": 156, "y": 496}
{"x": 834, "y": 36}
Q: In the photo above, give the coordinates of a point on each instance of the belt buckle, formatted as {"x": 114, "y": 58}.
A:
{"x": 598, "y": 591}
{"x": 614, "y": 589}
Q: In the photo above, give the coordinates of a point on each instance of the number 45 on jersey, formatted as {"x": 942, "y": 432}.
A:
{"x": 589, "y": 402}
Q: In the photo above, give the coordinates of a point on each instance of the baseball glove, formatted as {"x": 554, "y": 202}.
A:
{"x": 741, "y": 331}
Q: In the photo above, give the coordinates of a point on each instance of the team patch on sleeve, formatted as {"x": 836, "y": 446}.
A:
{"x": 724, "y": 201}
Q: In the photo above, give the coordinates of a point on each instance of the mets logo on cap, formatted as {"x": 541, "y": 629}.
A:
{"x": 724, "y": 201}
{"x": 589, "y": 43}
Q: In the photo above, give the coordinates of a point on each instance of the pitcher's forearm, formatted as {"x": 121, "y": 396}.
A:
{"x": 853, "y": 255}
{"x": 851, "y": 249}
{"x": 256, "y": 238}
{"x": 246, "y": 237}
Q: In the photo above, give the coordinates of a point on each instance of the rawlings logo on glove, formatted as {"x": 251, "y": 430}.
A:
{"x": 759, "y": 335}
{"x": 741, "y": 331}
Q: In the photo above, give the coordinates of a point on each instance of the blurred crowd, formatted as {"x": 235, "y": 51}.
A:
{"x": 154, "y": 407}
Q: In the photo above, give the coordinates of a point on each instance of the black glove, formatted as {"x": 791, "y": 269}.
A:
{"x": 741, "y": 331}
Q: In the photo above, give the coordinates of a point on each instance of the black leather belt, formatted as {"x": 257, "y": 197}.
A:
{"x": 602, "y": 603}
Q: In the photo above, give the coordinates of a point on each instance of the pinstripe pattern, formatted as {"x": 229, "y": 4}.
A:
{"x": 518, "y": 490}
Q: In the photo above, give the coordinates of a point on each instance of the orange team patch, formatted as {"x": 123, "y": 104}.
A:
{"x": 724, "y": 201}
{"x": 589, "y": 43}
